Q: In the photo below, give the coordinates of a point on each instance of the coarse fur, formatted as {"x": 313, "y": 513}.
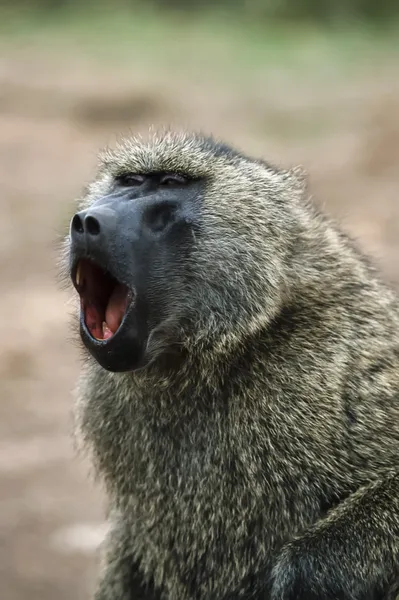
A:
{"x": 263, "y": 461}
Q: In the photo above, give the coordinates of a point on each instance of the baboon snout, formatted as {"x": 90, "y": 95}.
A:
{"x": 92, "y": 225}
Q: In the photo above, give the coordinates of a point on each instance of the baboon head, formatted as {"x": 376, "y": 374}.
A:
{"x": 179, "y": 244}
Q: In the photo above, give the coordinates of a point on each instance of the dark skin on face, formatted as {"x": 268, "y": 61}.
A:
{"x": 123, "y": 262}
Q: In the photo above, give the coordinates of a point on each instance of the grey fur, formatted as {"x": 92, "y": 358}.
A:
{"x": 270, "y": 445}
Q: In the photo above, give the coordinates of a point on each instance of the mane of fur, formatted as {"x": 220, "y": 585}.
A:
{"x": 287, "y": 399}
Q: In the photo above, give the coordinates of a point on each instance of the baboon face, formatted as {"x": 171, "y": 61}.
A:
{"x": 128, "y": 254}
{"x": 180, "y": 246}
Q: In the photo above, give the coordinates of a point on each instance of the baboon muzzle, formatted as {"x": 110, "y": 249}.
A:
{"x": 101, "y": 241}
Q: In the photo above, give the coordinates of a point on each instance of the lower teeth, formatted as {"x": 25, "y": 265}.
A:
{"x": 107, "y": 333}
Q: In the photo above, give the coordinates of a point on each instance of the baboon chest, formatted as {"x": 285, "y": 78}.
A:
{"x": 195, "y": 503}
{"x": 198, "y": 492}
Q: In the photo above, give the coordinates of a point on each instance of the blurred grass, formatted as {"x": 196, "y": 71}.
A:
{"x": 208, "y": 39}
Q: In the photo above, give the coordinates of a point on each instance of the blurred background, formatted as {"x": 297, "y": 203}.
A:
{"x": 311, "y": 82}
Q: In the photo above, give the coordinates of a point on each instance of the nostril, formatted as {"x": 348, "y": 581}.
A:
{"x": 77, "y": 224}
{"x": 92, "y": 225}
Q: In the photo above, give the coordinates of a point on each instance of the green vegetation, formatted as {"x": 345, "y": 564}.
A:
{"x": 181, "y": 37}
{"x": 327, "y": 11}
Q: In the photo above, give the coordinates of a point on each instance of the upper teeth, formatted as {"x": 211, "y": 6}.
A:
{"x": 78, "y": 275}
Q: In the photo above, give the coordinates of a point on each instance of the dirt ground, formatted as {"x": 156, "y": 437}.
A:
{"x": 55, "y": 111}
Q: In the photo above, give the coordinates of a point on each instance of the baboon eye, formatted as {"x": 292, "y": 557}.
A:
{"x": 172, "y": 179}
{"x": 130, "y": 179}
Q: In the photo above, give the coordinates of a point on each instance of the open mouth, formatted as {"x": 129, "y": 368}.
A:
{"x": 104, "y": 300}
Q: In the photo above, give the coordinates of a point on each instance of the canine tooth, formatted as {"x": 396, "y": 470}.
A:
{"x": 78, "y": 275}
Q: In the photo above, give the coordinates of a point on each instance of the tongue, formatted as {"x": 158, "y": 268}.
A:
{"x": 116, "y": 308}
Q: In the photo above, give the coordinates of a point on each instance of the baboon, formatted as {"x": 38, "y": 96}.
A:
{"x": 239, "y": 395}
